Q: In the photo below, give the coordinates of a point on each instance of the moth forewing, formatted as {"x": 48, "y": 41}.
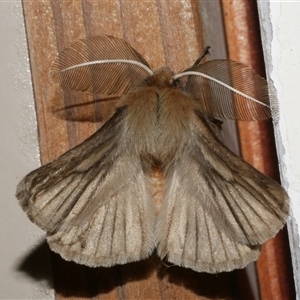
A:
{"x": 96, "y": 206}
{"x": 96, "y": 203}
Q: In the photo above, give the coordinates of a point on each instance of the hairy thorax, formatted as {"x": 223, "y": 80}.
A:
{"x": 160, "y": 126}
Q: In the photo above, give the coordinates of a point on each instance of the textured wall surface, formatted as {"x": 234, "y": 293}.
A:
{"x": 279, "y": 20}
{"x": 25, "y": 263}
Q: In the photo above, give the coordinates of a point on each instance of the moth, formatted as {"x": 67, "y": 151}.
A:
{"x": 96, "y": 201}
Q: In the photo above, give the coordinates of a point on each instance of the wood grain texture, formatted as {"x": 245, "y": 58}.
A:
{"x": 165, "y": 33}
{"x": 258, "y": 146}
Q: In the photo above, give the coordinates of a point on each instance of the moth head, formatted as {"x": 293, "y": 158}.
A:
{"x": 161, "y": 78}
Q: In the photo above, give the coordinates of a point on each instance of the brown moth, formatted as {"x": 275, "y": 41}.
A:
{"x": 95, "y": 201}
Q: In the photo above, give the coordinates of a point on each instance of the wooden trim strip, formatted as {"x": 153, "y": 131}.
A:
{"x": 257, "y": 145}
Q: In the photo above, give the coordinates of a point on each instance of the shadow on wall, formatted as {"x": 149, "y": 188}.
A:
{"x": 71, "y": 279}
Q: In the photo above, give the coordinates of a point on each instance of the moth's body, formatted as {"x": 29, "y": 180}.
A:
{"x": 95, "y": 201}
{"x": 159, "y": 118}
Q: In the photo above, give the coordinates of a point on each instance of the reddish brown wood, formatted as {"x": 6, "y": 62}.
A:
{"x": 257, "y": 145}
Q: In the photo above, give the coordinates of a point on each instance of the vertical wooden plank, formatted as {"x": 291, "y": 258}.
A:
{"x": 258, "y": 146}
{"x": 40, "y": 59}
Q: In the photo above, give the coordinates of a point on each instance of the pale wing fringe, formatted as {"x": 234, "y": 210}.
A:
{"x": 94, "y": 201}
{"x": 124, "y": 67}
{"x": 230, "y": 90}
{"x": 217, "y": 209}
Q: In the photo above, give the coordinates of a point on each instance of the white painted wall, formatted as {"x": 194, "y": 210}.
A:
{"x": 280, "y": 24}
{"x": 25, "y": 263}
